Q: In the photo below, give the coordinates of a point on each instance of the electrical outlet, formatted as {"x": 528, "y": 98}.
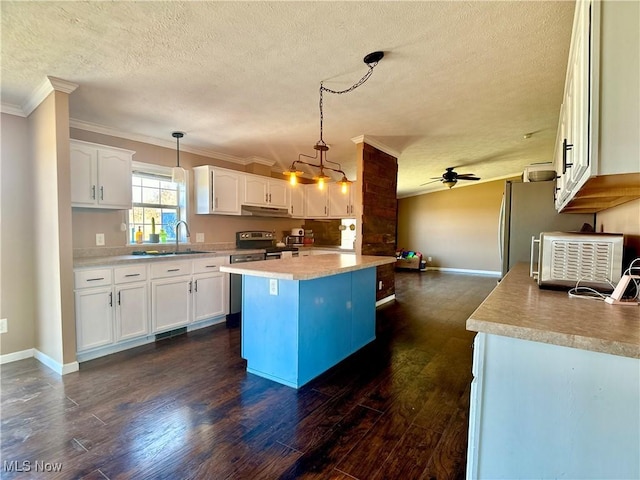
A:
{"x": 429, "y": 259}
{"x": 273, "y": 286}
{"x": 199, "y": 237}
{"x": 3, "y": 325}
{"x": 380, "y": 285}
{"x": 99, "y": 239}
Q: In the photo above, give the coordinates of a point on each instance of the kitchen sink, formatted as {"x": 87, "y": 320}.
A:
{"x": 156, "y": 253}
{"x": 186, "y": 252}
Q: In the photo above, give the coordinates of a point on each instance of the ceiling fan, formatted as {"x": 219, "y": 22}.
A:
{"x": 450, "y": 178}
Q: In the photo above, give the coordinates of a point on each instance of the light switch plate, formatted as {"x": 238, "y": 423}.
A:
{"x": 273, "y": 286}
{"x": 99, "y": 239}
{"x": 200, "y": 237}
{"x": 3, "y": 325}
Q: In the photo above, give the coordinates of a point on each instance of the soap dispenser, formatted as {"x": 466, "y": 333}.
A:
{"x": 139, "y": 235}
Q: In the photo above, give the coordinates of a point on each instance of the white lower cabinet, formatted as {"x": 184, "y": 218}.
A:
{"x": 210, "y": 288}
{"x": 94, "y": 317}
{"x": 121, "y": 307}
{"x": 208, "y": 300}
{"x": 132, "y": 306}
{"x": 171, "y": 303}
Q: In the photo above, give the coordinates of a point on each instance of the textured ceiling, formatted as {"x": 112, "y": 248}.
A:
{"x": 460, "y": 83}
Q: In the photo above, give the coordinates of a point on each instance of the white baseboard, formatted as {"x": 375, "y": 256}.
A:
{"x": 15, "y": 356}
{"x": 384, "y": 300}
{"x": 488, "y": 273}
{"x": 59, "y": 368}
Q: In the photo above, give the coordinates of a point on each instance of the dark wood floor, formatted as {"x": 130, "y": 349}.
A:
{"x": 185, "y": 407}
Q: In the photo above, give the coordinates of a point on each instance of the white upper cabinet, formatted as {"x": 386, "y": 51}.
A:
{"x": 340, "y": 203}
{"x": 599, "y": 127}
{"x": 316, "y": 202}
{"x": 265, "y": 192}
{"x": 297, "y": 196}
{"x": 100, "y": 176}
{"x": 218, "y": 190}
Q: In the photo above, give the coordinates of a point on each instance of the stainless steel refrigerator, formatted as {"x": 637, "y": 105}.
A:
{"x": 527, "y": 209}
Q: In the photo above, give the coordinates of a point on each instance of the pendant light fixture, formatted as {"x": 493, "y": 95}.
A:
{"x": 321, "y": 148}
{"x": 178, "y": 174}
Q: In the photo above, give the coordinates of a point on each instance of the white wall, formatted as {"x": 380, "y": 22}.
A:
{"x": 16, "y": 237}
{"x": 458, "y": 228}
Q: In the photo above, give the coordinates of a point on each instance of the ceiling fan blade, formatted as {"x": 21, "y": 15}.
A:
{"x": 468, "y": 178}
{"x": 466, "y": 175}
{"x": 432, "y": 181}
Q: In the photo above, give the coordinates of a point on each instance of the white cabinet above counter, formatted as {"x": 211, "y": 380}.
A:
{"x": 218, "y": 190}
{"x": 265, "y": 192}
{"x": 230, "y": 192}
{"x": 100, "y": 176}
{"x": 598, "y": 142}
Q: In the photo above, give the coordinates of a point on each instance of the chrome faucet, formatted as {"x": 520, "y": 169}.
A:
{"x": 185, "y": 226}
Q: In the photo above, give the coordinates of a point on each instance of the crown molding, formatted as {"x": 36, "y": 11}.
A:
{"x": 260, "y": 160}
{"x": 61, "y": 85}
{"x": 112, "y": 132}
{"x": 50, "y": 84}
{"x": 377, "y": 144}
{"x": 12, "y": 109}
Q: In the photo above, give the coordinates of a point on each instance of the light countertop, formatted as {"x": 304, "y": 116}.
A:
{"x": 309, "y": 267}
{"x": 132, "y": 259}
{"x": 518, "y": 308}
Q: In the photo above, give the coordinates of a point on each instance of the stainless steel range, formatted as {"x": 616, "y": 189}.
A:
{"x": 250, "y": 240}
{"x": 262, "y": 240}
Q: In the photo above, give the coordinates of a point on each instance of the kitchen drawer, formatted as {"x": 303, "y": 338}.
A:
{"x": 209, "y": 264}
{"x": 98, "y": 277}
{"x": 134, "y": 273}
{"x": 170, "y": 269}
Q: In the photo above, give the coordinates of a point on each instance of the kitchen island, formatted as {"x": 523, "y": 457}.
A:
{"x": 556, "y": 388}
{"x": 301, "y": 316}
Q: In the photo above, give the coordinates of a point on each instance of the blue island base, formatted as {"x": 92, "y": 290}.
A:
{"x": 294, "y": 330}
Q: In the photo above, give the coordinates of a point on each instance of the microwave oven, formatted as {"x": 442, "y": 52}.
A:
{"x": 566, "y": 258}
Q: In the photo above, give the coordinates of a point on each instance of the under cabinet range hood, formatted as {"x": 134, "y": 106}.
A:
{"x": 252, "y": 210}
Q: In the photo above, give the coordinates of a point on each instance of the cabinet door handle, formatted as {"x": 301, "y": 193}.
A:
{"x": 93, "y": 192}
{"x": 111, "y": 299}
{"x": 119, "y": 298}
{"x": 292, "y": 209}
{"x": 210, "y": 266}
{"x": 132, "y": 275}
{"x": 190, "y": 284}
{"x": 565, "y": 148}
{"x": 101, "y": 193}
{"x": 196, "y": 286}
{"x": 173, "y": 270}
{"x": 269, "y": 198}
{"x": 94, "y": 279}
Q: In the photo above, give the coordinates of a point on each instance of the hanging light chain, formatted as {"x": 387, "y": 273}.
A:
{"x": 371, "y": 60}
{"x": 340, "y": 92}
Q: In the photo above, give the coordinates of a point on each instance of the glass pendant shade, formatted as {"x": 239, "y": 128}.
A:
{"x": 178, "y": 175}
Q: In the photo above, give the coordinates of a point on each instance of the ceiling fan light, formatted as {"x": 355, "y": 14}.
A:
{"x": 449, "y": 183}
